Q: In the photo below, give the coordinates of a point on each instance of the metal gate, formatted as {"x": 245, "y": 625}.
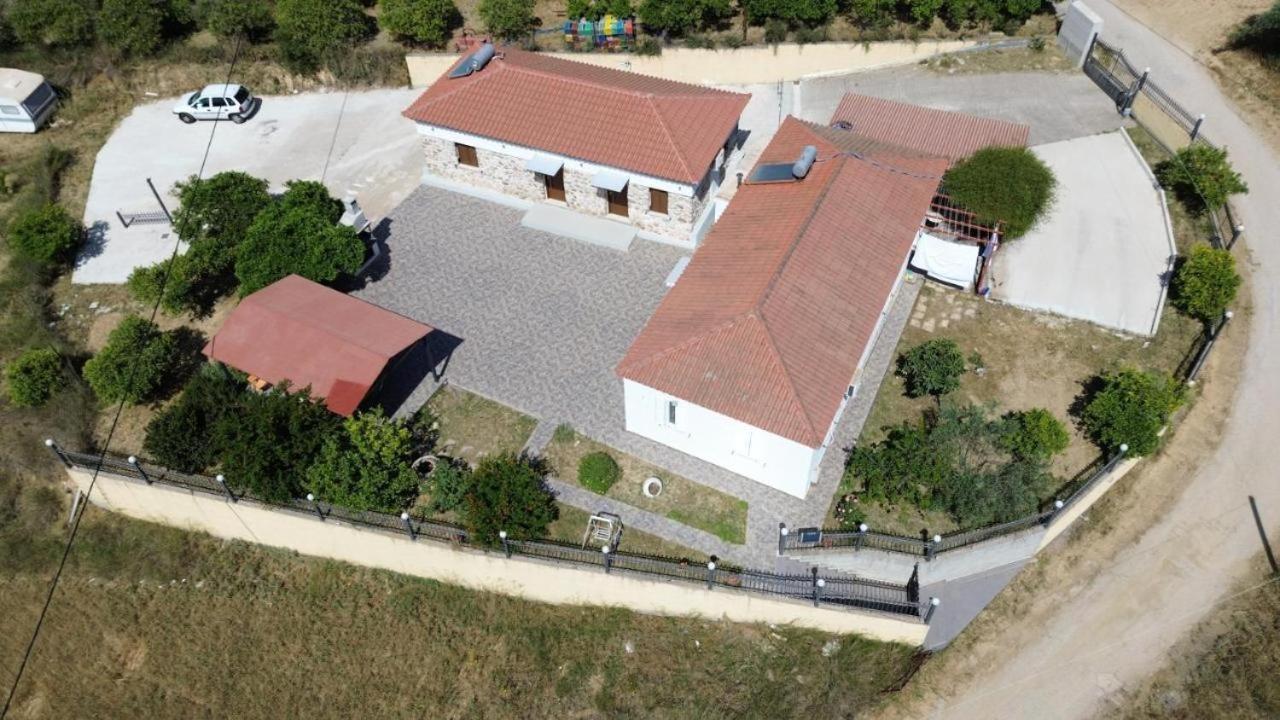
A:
{"x": 1111, "y": 71}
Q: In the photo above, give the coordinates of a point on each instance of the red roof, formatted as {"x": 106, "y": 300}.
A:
{"x": 621, "y": 119}
{"x": 772, "y": 315}
{"x": 942, "y": 133}
{"x": 310, "y": 335}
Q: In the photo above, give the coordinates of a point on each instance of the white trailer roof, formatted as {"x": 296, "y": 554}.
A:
{"x": 16, "y": 85}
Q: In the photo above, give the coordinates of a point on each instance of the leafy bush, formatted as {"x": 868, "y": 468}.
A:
{"x": 1035, "y": 435}
{"x": 1201, "y": 176}
{"x": 507, "y": 19}
{"x": 219, "y": 208}
{"x": 873, "y": 13}
{"x": 924, "y": 11}
{"x": 47, "y": 235}
{"x": 933, "y": 368}
{"x": 55, "y": 23}
{"x": 1260, "y": 33}
{"x": 598, "y": 471}
{"x": 366, "y": 466}
{"x": 421, "y": 22}
{"x": 132, "y": 27}
{"x": 269, "y": 441}
{"x": 313, "y": 197}
{"x": 1130, "y": 408}
{"x": 34, "y": 377}
{"x": 698, "y": 41}
{"x": 310, "y": 32}
{"x": 283, "y": 241}
{"x": 1206, "y": 283}
{"x": 648, "y": 46}
{"x": 181, "y": 436}
{"x": 448, "y": 484}
{"x": 791, "y": 12}
{"x": 136, "y": 363}
{"x": 810, "y": 35}
{"x": 508, "y": 493}
{"x": 249, "y": 19}
{"x": 681, "y": 16}
{"x": 1008, "y": 185}
{"x": 775, "y": 31}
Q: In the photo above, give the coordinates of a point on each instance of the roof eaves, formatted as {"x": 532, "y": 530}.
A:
{"x": 793, "y": 392}
{"x": 678, "y": 151}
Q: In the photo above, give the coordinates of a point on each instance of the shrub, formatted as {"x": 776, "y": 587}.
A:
{"x": 792, "y": 12}
{"x": 1035, "y": 435}
{"x": 310, "y": 32}
{"x": 285, "y": 241}
{"x": 181, "y": 436}
{"x": 136, "y": 363}
{"x": 507, "y": 19}
{"x": 448, "y": 484}
{"x": 924, "y": 11}
{"x": 55, "y": 23}
{"x": 775, "y": 31}
{"x": 420, "y": 22}
{"x": 1010, "y": 491}
{"x": 1002, "y": 184}
{"x": 366, "y": 466}
{"x": 1205, "y": 283}
{"x": 873, "y": 13}
{"x": 1130, "y": 408}
{"x": 1260, "y": 33}
{"x": 248, "y": 19}
{"x": 681, "y": 16}
{"x": 933, "y": 368}
{"x": 34, "y": 377}
{"x": 132, "y": 27}
{"x": 313, "y": 197}
{"x": 507, "y": 493}
{"x": 1201, "y": 176}
{"x": 810, "y": 35}
{"x": 698, "y": 41}
{"x": 648, "y": 46}
{"x": 598, "y": 471}
{"x": 267, "y": 445}
{"x": 1036, "y": 44}
{"x": 47, "y": 235}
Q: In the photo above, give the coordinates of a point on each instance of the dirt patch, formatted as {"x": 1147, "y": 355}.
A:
{"x": 1002, "y": 60}
{"x": 473, "y": 427}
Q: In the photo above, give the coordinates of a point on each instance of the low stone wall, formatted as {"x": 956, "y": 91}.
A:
{"x": 491, "y": 572}
{"x": 743, "y": 66}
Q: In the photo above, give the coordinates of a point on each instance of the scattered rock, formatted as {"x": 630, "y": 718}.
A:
{"x": 629, "y": 646}
{"x": 830, "y": 647}
{"x": 93, "y": 305}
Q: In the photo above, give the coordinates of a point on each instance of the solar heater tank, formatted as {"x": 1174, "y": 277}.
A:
{"x": 802, "y": 165}
{"x": 481, "y": 57}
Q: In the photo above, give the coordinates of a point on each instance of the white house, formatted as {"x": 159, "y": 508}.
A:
{"x": 607, "y": 143}
{"x": 751, "y": 358}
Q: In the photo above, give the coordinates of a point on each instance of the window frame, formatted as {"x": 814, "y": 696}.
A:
{"x": 466, "y": 155}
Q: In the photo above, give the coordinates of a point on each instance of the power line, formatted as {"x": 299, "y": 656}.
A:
{"x": 115, "y": 421}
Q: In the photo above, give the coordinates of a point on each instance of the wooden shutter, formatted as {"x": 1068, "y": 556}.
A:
{"x": 658, "y": 201}
{"x": 467, "y": 155}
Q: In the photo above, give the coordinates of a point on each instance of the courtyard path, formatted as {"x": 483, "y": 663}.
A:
{"x": 1100, "y": 615}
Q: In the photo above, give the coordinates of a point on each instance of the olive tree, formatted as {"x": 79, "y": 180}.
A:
{"x": 933, "y": 368}
{"x": 1205, "y": 283}
{"x": 420, "y": 22}
{"x": 1130, "y": 408}
{"x": 136, "y": 363}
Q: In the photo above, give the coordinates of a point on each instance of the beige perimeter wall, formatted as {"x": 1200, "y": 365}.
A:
{"x": 744, "y": 66}
{"x": 522, "y": 577}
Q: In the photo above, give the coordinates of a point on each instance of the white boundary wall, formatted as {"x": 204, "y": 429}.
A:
{"x": 1080, "y": 26}
{"x": 490, "y": 572}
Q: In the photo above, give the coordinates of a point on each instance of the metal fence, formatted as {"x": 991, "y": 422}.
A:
{"x": 827, "y": 590}
{"x": 818, "y": 539}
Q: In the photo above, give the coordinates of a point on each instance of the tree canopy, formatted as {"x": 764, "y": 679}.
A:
{"x": 1201, "y": 176}
{"x": 297, "y": 240}
{"x": 47, "y": 235}
{"x": 1205, "y": 283}
{"x": 34, "y": 376}
{"x": 1006, "y": 185}
{"x": 366, "y": 465}
{"x": 420, "y": 22}
{"x": 138, "y": 361}
{"x": 1130, "y": 408}
{"x": 267, "y": 445}
{"x": 182, "y": 435}
{"x": 507, "y": 19}
{"x": 933, "y": 368}
{"x": 508, "y": 493}
{"x": 310, "y": 32}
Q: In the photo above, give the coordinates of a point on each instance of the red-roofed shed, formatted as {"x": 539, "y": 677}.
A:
{"x": 302, "y": 332}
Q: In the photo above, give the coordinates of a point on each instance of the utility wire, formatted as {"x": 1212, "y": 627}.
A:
{"x": 115, "y": 421}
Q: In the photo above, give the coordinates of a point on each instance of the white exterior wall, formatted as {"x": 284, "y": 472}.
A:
{"x": 771, "y": 459}
{"x": 501, "y": 169}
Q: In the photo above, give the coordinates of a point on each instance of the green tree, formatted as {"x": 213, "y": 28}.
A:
{"x": 1035, "y": 435}
{"x": 1008, "y": 185}
{"x": 792, "y": 12}
{"x": 902, "y": 467}
{"x": 508, "y": 493}
{"x": 218, "y": 210}
{"x": 1206, "y": 283}
{"x": 34, "y": 376}
{"x": 924, "y": 11}
{"x": 55, "y": 23}
{"x": 366, "y": 466}
{"x": 133, "y": 27}
{"x": 1260, "y": 33}
{"x": 181, "y": 436}
{"x": 1130, "y": 408}
{"x": 507, "y": 19}
{"x": 598, "y": 471}
{"x": 872, "y": 13}
{"x": 420, "y": 22}
{"x": 137, "y": 362}
{"x": 249, "y": 19}
{"x": 1006, "y": 492}
{"x": 47, "y": 235}
{"x": 310, "y": 32}
{"x": 1201, "y": 176}
{"x": 285, "y": 241}
{"x": 933, "y": 368}
{"x": 448, "y": 484}
{"x": 680, "y": 16}
{"x": 268, "y": 445}
{"x": 313, "y": 197}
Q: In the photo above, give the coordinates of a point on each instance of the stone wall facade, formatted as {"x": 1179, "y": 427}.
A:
{"x": 507, "y": 174}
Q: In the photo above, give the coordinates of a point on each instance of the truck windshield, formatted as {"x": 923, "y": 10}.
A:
{"x": 195, "y": 98}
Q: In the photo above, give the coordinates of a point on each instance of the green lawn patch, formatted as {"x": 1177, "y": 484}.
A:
{"x": 472, "y": 427}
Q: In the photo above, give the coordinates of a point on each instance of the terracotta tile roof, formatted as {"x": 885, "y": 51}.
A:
{"x": 952, "y": 135}
{"x": 611, "y": 117}
{"x": 772, "y": 315}
{"x": 310, "y": 335}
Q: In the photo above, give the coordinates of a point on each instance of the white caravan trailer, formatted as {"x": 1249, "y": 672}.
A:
{"x": 26, "y": 101}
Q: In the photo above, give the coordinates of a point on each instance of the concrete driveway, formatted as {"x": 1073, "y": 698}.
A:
{"x": 374, "y": 154}
{"x": 1104, "y": 252}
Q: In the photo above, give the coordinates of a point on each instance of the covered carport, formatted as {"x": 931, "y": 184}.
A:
{"x": 1105, "y": 250}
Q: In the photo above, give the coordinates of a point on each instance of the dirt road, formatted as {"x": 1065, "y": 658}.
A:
{"x": 1096, "y": 617}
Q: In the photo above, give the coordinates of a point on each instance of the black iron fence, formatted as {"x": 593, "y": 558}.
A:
{"x": 824, "y": 590}
{"x": 805, "y": 540}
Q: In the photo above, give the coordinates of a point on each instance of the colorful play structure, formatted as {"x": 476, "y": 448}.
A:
{"x": 608, "y": 33}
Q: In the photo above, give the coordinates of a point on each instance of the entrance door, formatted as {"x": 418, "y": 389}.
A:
{"x": 555, "y": 185}
{"x": 618, "y": 202}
